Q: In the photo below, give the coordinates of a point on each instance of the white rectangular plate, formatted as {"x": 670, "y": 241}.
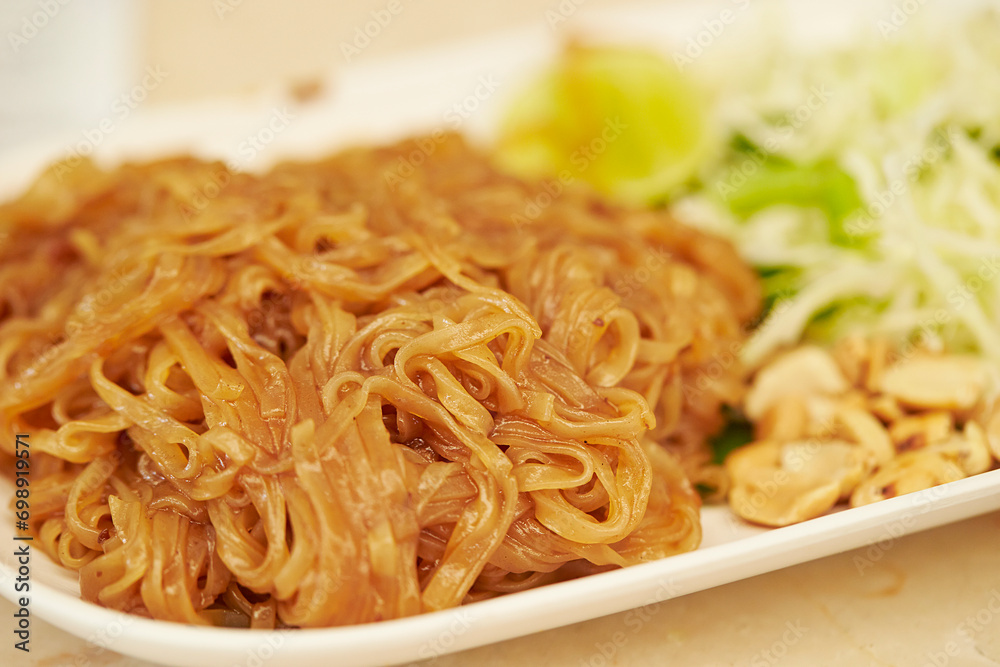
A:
{"x": 384, "y": 101}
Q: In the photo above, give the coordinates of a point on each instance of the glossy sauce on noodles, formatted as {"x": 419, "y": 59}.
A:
{"x": 329, "y": 395}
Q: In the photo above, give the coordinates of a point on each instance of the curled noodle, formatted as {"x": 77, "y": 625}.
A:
{"x": 331, "y": 395}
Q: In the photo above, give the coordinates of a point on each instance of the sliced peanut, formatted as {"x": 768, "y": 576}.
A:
{"x": 859, "y": 425}
{"x": 804, "y": 371}
{"x": 969, "y": 450}
{"x": 919, "y": 431}
{"x": 980, "y": 459}
{"x": 878, "y": 359}
{"x": 821, "y": 458}
{"x": 885, "y": 408}
{"x": 855, "y": 398}
{"x": 993, "y": 434}
{"x": 784, "y": 420}
{"x": 777, "y": 484}
{"x": 946, "y": 383}
{"x": 908, "y": 472}
{"x": 851, "y": 355}
{"x": 822, "y": 410}
{"x": 848, "y": 423}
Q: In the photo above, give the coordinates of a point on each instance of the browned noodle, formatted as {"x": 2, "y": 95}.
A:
{"x": 322, "y": 396}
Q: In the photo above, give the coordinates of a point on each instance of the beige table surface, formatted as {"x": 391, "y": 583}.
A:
{"x": 929, "y": 599}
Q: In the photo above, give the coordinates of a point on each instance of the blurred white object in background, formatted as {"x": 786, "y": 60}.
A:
{"x": 64, "y": 64}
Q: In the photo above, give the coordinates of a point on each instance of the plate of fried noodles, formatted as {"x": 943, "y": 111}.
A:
{"x": 504, "y": 337}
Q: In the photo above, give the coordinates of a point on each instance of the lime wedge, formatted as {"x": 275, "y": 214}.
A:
{"x": 625, "y": 120}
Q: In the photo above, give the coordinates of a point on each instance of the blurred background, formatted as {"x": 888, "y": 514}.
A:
{"x": 233, "y": 46}
{"x": 66, "y": 65}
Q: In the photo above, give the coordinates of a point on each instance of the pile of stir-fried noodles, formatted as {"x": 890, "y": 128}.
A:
{"x": 332, "y": 394}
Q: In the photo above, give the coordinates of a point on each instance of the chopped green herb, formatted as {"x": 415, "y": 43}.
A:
{"x": 737, "y": 432}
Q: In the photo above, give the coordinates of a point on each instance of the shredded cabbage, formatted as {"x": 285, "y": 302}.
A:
{"x": 873, "y": 202}
{"x": 862, "y": 182}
